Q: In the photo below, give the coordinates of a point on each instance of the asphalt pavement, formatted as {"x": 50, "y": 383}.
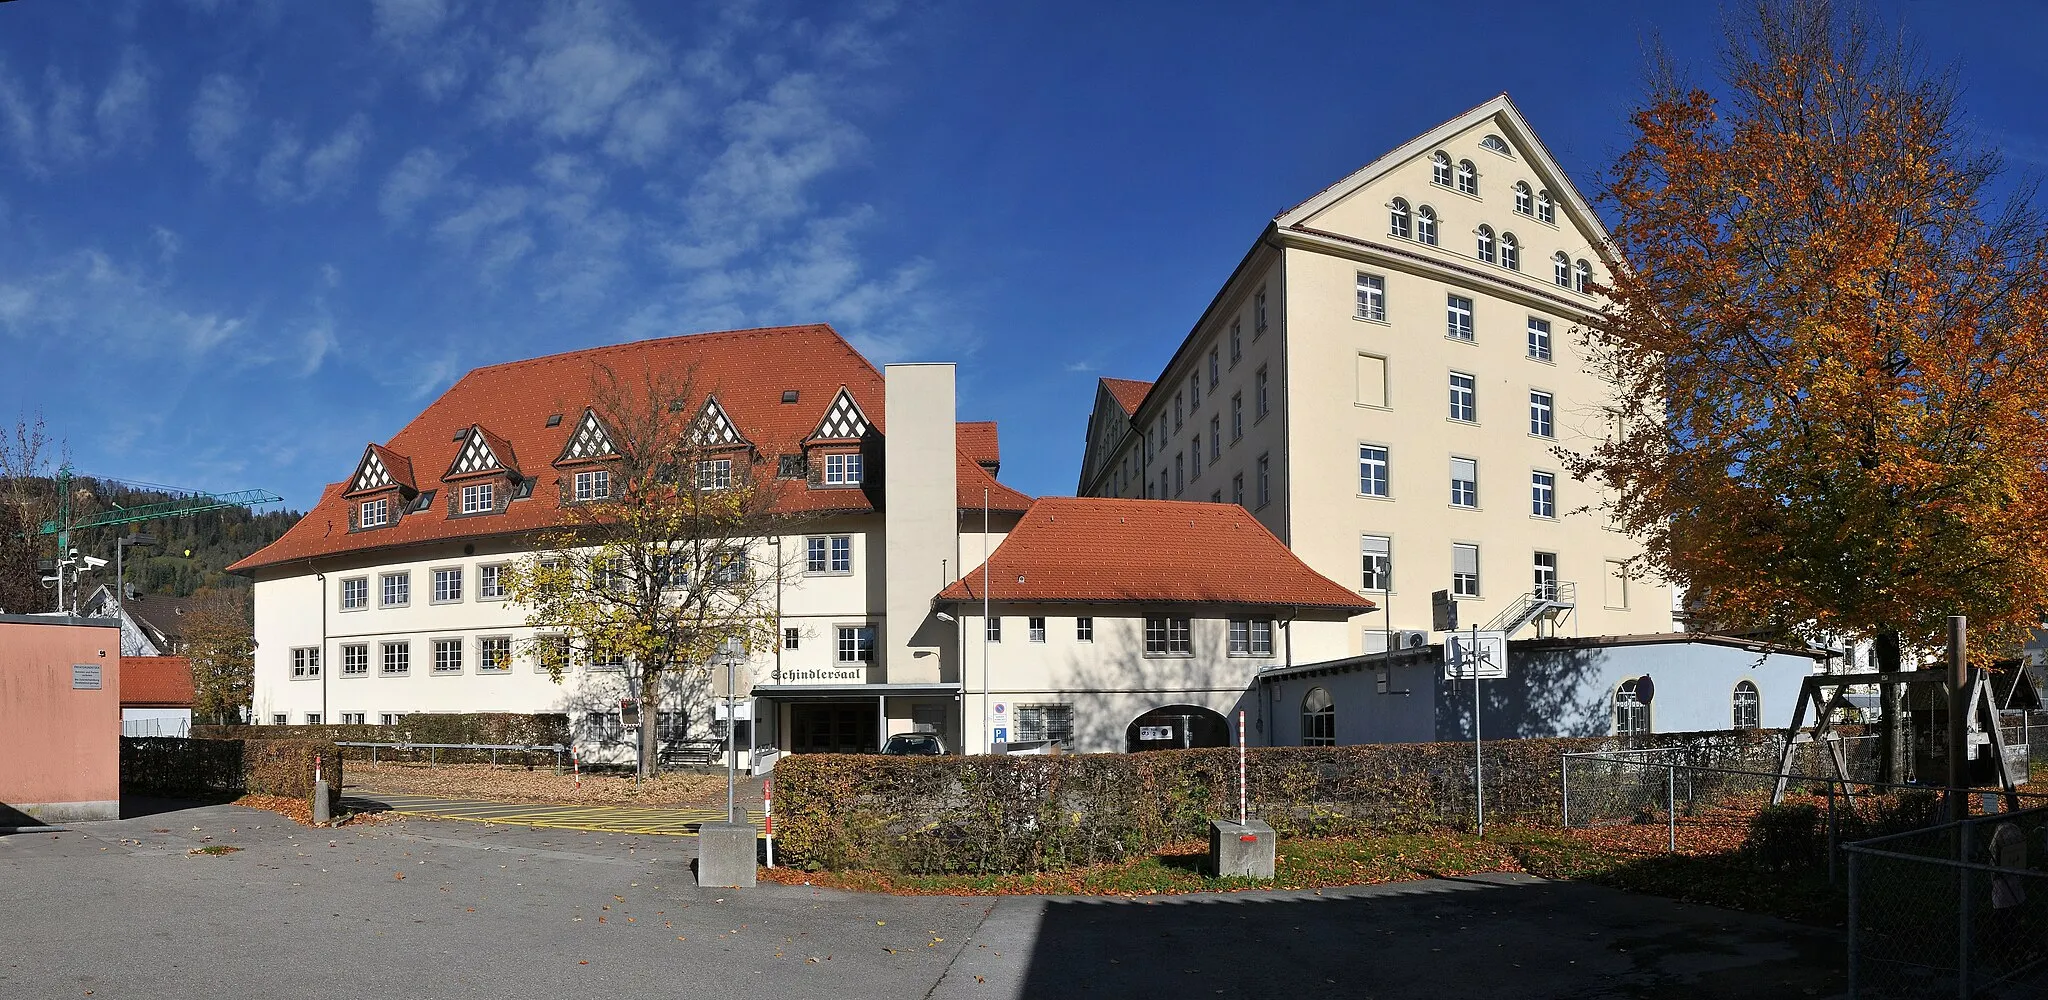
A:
{"x": 420, "y": 908}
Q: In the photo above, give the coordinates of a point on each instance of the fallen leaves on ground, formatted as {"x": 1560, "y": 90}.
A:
{"x": 517, "y": 784}
{"x": 214, "y": 850}
{"x": 300, "y": 811}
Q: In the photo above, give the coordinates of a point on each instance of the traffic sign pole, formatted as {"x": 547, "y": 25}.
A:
{"x": 1478, "y": 758}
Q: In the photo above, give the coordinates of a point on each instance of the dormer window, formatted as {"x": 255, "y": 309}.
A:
{"x": 376, "y": 513}
{"x": 479, "y": 498}
{"x": 593, "y": 484}
{"x": 842, "y": 470}
{"x": 714, "y": 474}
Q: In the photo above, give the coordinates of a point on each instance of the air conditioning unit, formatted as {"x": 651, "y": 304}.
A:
{"x": 1376, "y": 640}
{"x": 1411, "y": 638}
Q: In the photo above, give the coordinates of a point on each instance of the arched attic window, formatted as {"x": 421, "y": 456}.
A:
{"x": 1510, "y": 252}
{"x": 1485, "y": 244}
{"x": 1398, "y": 218}
{"x": 1440, "y": 168}
{"x": 1468, "y": 178}
{"x": 1425, "y": 225}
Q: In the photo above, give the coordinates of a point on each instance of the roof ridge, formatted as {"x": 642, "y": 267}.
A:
{"x": 698, "y": 336}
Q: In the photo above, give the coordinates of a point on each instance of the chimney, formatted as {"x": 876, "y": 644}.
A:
{"x": 920, "y": 505}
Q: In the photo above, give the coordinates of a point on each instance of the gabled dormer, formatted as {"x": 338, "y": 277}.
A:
{"x": 381, "y": 490}
{"x": 714, "y": 429}
{"x": 484, "y": 477}
{"x": 590, "y": 442}
{"x": 832, "y": 454}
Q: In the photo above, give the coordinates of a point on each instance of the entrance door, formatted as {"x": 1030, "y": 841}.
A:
{"x": 834, "y": 727}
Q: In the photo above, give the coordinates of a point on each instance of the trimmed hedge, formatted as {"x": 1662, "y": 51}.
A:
{"x": 471, "y": 727}
{"x": 1004, "y": 814}
{"x": 164, "y": 765}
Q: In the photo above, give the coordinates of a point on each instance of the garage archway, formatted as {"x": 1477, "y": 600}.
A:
{"x": 1175, "y": 727}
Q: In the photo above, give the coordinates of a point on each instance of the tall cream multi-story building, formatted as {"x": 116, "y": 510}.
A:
{"x": 1385, "y": 381}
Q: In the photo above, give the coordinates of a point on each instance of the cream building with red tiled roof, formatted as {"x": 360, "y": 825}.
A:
{"x": 384, "y": 600}
{"x": 1384, "y": 382}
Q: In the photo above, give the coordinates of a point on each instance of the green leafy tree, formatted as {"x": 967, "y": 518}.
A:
{"x": 666, "y": 571}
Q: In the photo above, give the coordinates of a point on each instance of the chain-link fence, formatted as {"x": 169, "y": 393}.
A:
{"x": 1954, "y": 910}
{"x": 1637, "y": 786}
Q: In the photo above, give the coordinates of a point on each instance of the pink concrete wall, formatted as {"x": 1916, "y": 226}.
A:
{"x": 60, "y": 749}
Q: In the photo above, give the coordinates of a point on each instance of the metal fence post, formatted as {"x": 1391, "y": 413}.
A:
{"x": 1831, "y": 831}
{"x": 1963, "y": 906}
{"x": 1671, "y": 803}
{"x": 1855, "y": 861}
{"x": 1565, "y": 809}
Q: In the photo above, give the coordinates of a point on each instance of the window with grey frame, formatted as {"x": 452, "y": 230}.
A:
{"x": 1464, "y": 482}
{"x": 1374, "y": 473}
{"x": 1464, "y": 397}
{"x": 1318, "y": 719}
{"x": 355, "y": 593}
{"x": 1464, "y": 570}
{"x": 1251, "y": 636}
{"x": 1168, "y": 635}
{"x": 1043, "y": 723}
{"x": 1376, "y": 558}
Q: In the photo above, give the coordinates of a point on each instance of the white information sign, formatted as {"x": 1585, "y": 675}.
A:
{"x": 1484, "y": 656}
{"x": 1155, "y": 732}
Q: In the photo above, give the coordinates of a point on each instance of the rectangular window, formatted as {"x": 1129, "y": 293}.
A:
{"x": 1544, "y": 586}
{"x": 995, "y": 628}
{"x": 1194, "y": 392}
{"x": 1168, "y": 636}
{"x": 353, "y": 718}
{"x": 1236, "y": 417}
{"x": 1180, "y": 468}
{"x": 1372, "y": 297}
{"x": 1542, "y": 494}
{"x": 313, "y": 719}
{"x": 792, "y": 638}
{"x": 305, "y": 662}
{"x": 1260, "y": 399}
{"x": 1372, "y": 380}
{"x": 1251, "y": 637}
{"x": 494, "y": 654}
{"x": 1237, "y": 489}
{"x": 355, "y": 659}
{"x": 1464, "y": 482}
{"x": 1195, "y": 454}
{"x": 856, "y": 644}
{"x": 1617, "y": 585}
{"x": 791, "y": 467}
{"x": 1376, "y": 553}
{"x": 280, "y": 719}
{"x": 1215, "y": 368}
{"x": 1215, "y": 438}
{"x": 842, "y": 470}
{"x": 1373, "y": 475}
{"x": 1464, "y": 397}
{"x": 1179, "y": 410}
{"x": 355, "y": 593}
{"x": 397, "y": 590}
{"x": 479, "y": 498}
{"x": 1540, "y": 414}
{"x": 490, "y": 582}
{"x": 551, "y": 653}
{"x": 1539, "y": 339}
{"x": 1044, "y": 723}
{"x": 728, "y": 567}
{"x": 593, "y": 484}
{"x": 1259, "y": 313}
{"x": 1458, "y": 318}
{"x": 1464, "y": 570}
{"x": 376, "y": 513}
{"x": 1265, "y": 480}
{"x": 448, "y": 585}
{"x": 397, "y": 659}
{"x": 817, "y": 555}
{"x": 1084, "y": 630}
{"x": 1236, "y": 342}
{"x": 1036, "y": 628}
{"x": 607, "y": 659}
{"x": 714, "y": 474}
{"x": 447, "y": 656}
{"x": 390, "y": 718}
{"x": 671, "y": 570}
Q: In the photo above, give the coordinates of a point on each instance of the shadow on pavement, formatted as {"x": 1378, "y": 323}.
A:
{"x": 134, "y": 806}
{"x": 1436, "y": 939}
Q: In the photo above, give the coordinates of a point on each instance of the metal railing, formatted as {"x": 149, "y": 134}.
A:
{"x": 399, "y": 750}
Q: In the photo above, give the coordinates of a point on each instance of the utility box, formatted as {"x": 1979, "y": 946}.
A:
{"x": 60, "y": 719}
{"x": 726, "y": 854}
{"x": 1244, "y": 849}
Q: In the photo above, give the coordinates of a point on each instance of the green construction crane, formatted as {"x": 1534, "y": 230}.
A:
{"x": 193, "y": 503}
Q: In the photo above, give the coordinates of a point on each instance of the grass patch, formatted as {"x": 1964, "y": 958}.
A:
{"x": 1299, "y": 864}
{"x": 214, "y": 850}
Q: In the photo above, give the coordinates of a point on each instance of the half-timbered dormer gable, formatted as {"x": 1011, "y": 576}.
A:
{"x": 843, "y": 421}
{"x": 590, "y": 442}
{"x": 714, "y": 429}
{"x": 381, "y": 469}
{"x": 483, "y": 454}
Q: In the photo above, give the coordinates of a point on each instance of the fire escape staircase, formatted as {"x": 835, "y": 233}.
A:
{"x": 1543, "y": 606}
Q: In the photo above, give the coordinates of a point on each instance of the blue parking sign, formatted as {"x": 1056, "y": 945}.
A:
{"x": 1002, "y": 734}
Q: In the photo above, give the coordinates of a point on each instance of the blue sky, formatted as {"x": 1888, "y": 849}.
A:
{"x": 241, "y": 238}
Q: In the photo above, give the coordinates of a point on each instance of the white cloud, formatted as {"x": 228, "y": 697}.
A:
{"x": 407, "y": 20}
{"x": 95, "y": 302}
{"x": 219, "y": 114}
{"x": 587, "y": 70}
{"x": 417, "y": 177}
{"x": 18, "y": 117}
{"x": 122, "y": 113}
{"x": 291, "y": 172}
{"x": 275, "y": 172}
{"x": 65, "y": 132}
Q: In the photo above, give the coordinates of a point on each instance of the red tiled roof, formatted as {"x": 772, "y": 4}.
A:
{"x": 978, "y": 440}
{"x": 750, "y": 371}
{"x": 1127, "y": 392}
{"x": 1069, "y": 549}
{"x": 156, "y": 682}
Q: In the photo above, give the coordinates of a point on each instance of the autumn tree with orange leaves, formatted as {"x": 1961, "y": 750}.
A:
{"x": 1831, "y": 350}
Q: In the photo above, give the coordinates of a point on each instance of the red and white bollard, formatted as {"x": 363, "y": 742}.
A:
{"x": 1240, "y": 768}
{"x": 576, "y": 767}
{"x": 768, "y": 815}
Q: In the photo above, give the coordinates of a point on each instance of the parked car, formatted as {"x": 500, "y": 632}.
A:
{"x": 914, "y": 745}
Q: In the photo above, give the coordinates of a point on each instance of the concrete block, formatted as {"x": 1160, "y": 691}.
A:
{"x": 1244, "y": 849}
{"x": 726, "y": 854}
